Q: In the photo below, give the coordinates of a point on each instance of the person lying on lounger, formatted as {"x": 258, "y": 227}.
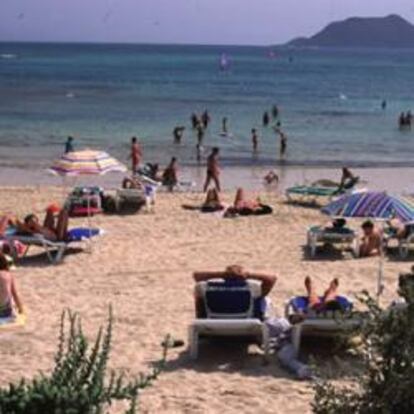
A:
{"x": 321, "y": 303}
{"x": 9, "y": 297}
{"x": 245, "y": 207}
{"x": 53, "y": 228}
{"x": 371, "y": 241}
{"x": 234, "y": 272}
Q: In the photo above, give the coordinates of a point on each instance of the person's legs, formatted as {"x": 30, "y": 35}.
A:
{"x": 331, "y": 292}
{"x": 207, "y": 183}
{"x": 217, "y": 182}
{"x": 62, "y": 225}
{"x": 4, "y": 223}
{"x": 49, "y": 221}
{"x": 312, "y": 296}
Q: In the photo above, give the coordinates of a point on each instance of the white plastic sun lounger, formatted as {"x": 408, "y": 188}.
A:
{"x": 325, "y": 324}
{"x": 55, "y": 250}
{"x": 242, "y": 324}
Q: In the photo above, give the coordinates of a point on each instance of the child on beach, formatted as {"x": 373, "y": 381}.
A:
{"x": 9, "y": 297}
{"x": 135, "y": 155}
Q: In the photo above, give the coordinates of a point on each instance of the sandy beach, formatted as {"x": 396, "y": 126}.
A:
{"x": 143, "y": 267}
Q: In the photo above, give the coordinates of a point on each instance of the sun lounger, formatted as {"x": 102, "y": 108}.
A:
{"x": 55, "y": 250}
{"x": 404, "y": 243}
{"x": 232, "y": 309}
{"x": 329, "y": 323}
{"x": 319, "y": 234}
{"x": 311, "y": 194}
{"x": 129, "y": 195}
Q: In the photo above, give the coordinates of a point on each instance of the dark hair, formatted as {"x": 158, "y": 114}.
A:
{"x": 29, "y": 217}
{"x": 134, "y": 139}
{"x": 70, "y": 138}
{"x": 4, "y": 263}
{"x": 215, "y": 150}
{"x": 173, "y": 159}
{"x": 253, "y": 130}
{"x": 368, "y": 224}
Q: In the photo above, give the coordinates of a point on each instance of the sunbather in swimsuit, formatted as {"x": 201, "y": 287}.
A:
{"x": 245, "y": 207}
{"x": 212, "y": 202}
{"x": 327, "y": 301}
{"x": 53, "y": 229}
{"x": 8, "y": 290}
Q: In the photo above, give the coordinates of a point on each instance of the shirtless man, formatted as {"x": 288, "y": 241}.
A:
{"x": 136, "y": 154}
{"x": 9, "y": 296}
{"x": 371, "y": 244}
{"x": 213, "y": 170}
{"x": 236, "y": 272}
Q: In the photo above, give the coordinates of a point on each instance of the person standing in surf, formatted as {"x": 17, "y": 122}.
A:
{"x": 224, "y": 126}
{"x": 213, "y": 170}
{"x": 135, "y": 155}
{"x": 69, "y": 145}
{"x": 283, "y": 142}
{"x": 266, "y": 119}
{"x": 205, "y": 119}
{"x": 255, "y": 140}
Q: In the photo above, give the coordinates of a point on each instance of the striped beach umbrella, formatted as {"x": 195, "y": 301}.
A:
{"x": 372, "y": 204}
{"x": 86, "y": 162}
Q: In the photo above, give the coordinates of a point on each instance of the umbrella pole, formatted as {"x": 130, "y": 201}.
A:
{"x": 380, "y": 280}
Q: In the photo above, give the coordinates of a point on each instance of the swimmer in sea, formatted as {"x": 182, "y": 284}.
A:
{"x": 178, "y": 134}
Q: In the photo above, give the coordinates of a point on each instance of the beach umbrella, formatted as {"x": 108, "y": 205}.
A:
{"x": 86, "y": 162}
{"x": 372, "y": 204}
{"x": 376, "y": 205}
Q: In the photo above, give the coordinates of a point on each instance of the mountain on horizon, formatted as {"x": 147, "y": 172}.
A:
{"x": 362, "y": 32}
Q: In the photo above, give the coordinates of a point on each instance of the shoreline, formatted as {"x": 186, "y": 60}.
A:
{"x": 396, "y": 180}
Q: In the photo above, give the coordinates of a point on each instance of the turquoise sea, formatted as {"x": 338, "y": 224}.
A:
{"x": 329, "y": 100}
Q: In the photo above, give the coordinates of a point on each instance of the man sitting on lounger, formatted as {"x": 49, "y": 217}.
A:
{"x": 9, "y": 297}
{"x": 371, "y": 241}
{"x": 234, "y": 272}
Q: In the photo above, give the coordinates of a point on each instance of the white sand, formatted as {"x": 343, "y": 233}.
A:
{"x": 143, "y": 267}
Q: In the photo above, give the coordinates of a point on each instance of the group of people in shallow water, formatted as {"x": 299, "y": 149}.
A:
{"x": 200, "y": 123}
{"x": 405, "y": 120}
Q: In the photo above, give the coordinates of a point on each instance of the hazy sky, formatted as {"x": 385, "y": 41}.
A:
{"x": 182, "y": 21}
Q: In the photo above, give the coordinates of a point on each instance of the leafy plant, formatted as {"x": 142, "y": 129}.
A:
{"x": 79, "y": 382}
{"x": 386, "y": 384}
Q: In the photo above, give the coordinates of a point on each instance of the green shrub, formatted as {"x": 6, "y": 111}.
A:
{"x": 79, "y": 382}
{"x": 386, "y": 384}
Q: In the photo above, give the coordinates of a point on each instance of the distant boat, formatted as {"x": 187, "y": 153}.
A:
{"x": 224, "y": 62}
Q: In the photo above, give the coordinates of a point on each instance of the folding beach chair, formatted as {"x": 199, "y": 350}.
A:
{"x": 328, "y": 323}
{"x": 231, "y": 308}
{"x": 55, "y": 250}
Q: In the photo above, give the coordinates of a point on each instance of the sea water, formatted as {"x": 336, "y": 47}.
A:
{"x": 103, "y": 94}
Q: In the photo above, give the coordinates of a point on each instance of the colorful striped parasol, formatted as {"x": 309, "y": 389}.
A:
{"x": 86, "y": 162}
{"x": 372, "y": 204}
